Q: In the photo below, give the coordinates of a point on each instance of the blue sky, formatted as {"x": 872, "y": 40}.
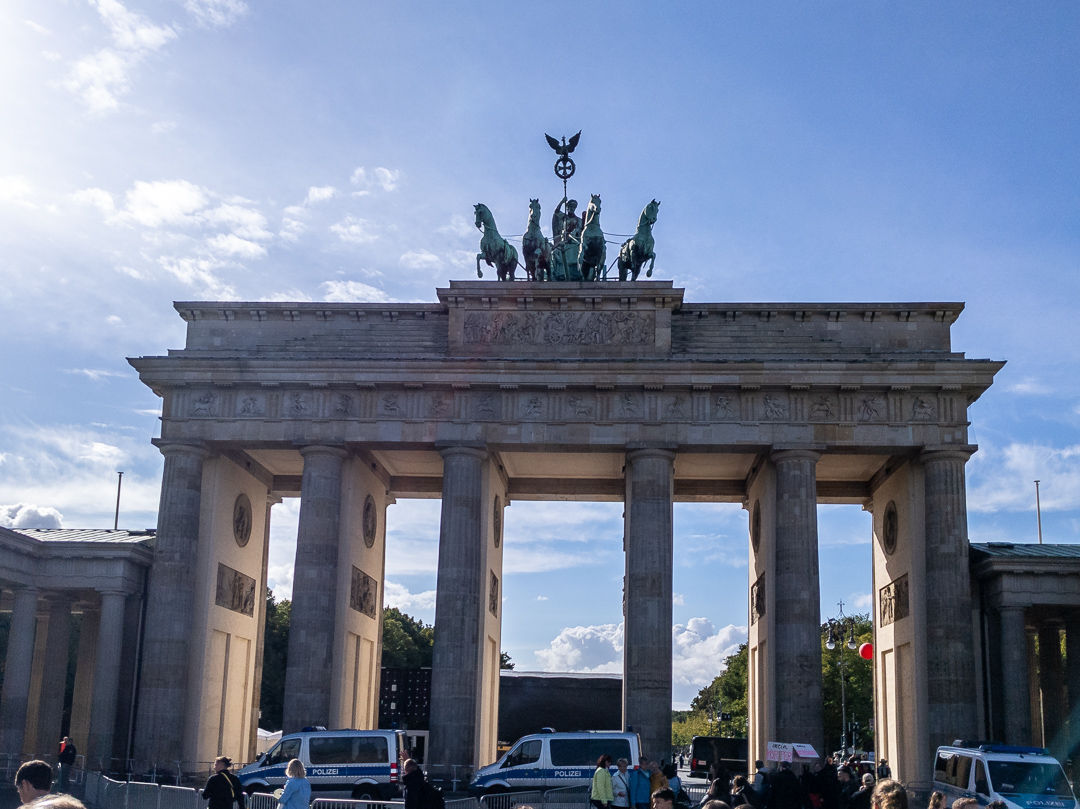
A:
{"x": 208, "y": 149}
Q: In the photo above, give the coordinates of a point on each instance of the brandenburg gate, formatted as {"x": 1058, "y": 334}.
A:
{"x": 548, "y": 391}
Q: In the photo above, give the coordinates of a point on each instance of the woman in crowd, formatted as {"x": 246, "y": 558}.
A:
{"x": 743, "y": 794}
{"x": 938, "y": 801}
{"x": 602, "y": 795}
{"x": 297, "y": 794}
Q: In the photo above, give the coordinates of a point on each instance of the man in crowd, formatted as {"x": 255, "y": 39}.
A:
{"x": 640, "y": 791}
{"x": 663, "y": 799}
{"x": 33, "y": 781}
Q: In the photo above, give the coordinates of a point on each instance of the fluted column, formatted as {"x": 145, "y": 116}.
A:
{"x": 54, "y": 675}
{"x": 797, "y": 640}
{"x": 260, "y": 632}
{"x": 170, "y": 606}
{"x": 84, "y": 678}
{"x": 1014, "y": 676}
{"x": 1052, "y": 686}
{"x": 647, "y": 625}
{"x": 107, "y": 678}
{"x": 18, "y": 666}
{"x": 950, "y": 642}
{"x": 1072, "y": 676}
{"x": 458, "y": 604}
{"x": 314, "y": 596}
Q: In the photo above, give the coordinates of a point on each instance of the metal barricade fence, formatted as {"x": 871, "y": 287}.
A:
{"x": 92, "y": 789}
{"x": 262, "y": 800}
{"x": 462, "y": 803}
{"x": 696, "y": 793}
{"x": 508, "y": 800}
{"x": 567, "y": 797}
{"x": 170, "y": 797}
{"x": 141, "y": 795}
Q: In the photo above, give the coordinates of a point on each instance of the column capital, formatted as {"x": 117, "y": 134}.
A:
{"x": 322, "y": 449}
{"x": 635, "y": 450}
{"x": 477, "y": 449}
{"x": 168, "y": 446}
{"x": 781, "y": 454}
{"x": 946, "y": 452}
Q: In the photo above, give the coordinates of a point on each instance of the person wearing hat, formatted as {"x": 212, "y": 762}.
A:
{"x": 223, "y": 789}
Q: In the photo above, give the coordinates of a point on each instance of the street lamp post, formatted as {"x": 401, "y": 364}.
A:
{"x": 830, "y": 644}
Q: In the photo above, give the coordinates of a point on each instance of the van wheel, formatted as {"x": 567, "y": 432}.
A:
{"x": 362, "y": 794}
{"x": 498, "y": 789}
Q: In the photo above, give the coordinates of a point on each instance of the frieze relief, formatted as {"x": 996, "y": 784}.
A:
{"x": 560, "y": 328}
{"x": 235, "y": 590}
{"x": 700, "y": 405}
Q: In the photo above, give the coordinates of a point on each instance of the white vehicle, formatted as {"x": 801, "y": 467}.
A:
{"x": 358, "y": 764}
{"x": 1022, "y": 777}
{"x": 546, "y": 760}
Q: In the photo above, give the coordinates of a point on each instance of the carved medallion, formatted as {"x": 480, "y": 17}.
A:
{"x": 496, "y": 521}
{"x": 369, "y": 521}
{"x": 890, "y": 528}
{"x": 241, "y": 520}
{"x": 755, "y": 526}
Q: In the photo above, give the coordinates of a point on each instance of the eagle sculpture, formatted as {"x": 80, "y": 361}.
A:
{"x": 566, "y": 147}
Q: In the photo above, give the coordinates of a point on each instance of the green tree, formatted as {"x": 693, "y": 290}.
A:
{"x": 505, "y": 662}
{"x": 725, "y": 694}
{"x": 406, "y": 642}
{"x": 858, "y": 682}
{"x": 275, "y": 659}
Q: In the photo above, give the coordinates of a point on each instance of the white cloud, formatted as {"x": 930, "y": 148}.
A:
{"x": 216, "y": 13}
{"x": 246, "y": 223}
{"x": 233, "y": 245}
{"x": 585, "y": 649}
{"x": 199, "y": 273}
{"x": 162, "y": 202}
{"x": 95, "y": 374}
{"x": 15, "y": 188}
{"x": 1030, "y": 387}
{"x": 397, "y": 595}
{"x": 698, "y": 654}
{"x": 162, "y": 127}
{"x": 862, "y": 601}
{"x": 420, "y": 260}
{"x": 52, "y": 56}
{"x": 541, "y": 598}
{"x": 384, "y": 178}
{"x": 24, "y": 515}
{"x": 678, "y": 600}
{"x": 1003, "y": 480}
{"x": 458, "y": 226}
{"x": 97, "y": 197}
{"x": 100, "y": 78}
{"x": 319, "y": 193}
{"x": 37, "y": 27}
{"x": 353, "y": 230}
{"x": 114, "y": 320}
{"x": 353, "y": 291}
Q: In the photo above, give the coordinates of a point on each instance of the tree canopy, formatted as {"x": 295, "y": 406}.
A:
{"x": 406, "y": 643}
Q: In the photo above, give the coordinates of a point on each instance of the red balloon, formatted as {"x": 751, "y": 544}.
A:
{"x": 866, "y": 651}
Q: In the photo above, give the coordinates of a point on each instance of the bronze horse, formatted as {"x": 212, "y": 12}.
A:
{"x": 535, "y": 247}
{"x": 494, "y": 249}
{"x": 592, "y": 254}
{"x": 639, "y": 249}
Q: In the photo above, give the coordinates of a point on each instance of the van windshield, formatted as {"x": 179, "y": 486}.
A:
{"x": 1028, "y": 778}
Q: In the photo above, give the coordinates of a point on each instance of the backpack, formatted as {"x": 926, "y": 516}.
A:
{"x": 432, "y": 797}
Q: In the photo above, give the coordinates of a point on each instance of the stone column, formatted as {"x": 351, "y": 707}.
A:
{"x": 170, "y": 607}
{"x": 54, "y": 674}
{"x": 260, "y": 632}
{"x": 1072, "y": 677}
{"x": 314, "y": 596}
{"x": 18, "y": 666}
{"x": 84, "y": 679}
{"x": 459, "y": 600}
{"x": 797, "y": 639}
{"x": 1014, "y": 676}
{"x": 647, "y": 625}
{"x": 107, "y": 678}
{"x": 950, "y": 642}
{"x": 1051, "y": 685}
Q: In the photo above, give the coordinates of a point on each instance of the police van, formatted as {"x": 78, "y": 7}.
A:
{"x": 358, "y": 764}
{"x": 543, "y": 761}
{"x": 1022, "y": 777}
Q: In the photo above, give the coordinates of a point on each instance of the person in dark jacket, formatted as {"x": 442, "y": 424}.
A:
{"x": 742, "y": 794}
{"x": 65, "y": 760}
{"x": 223, "y": 789}
{"x": 785, "y": 790}
{"x": 861, "y": 799}
{"x": 413, "y": 784}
